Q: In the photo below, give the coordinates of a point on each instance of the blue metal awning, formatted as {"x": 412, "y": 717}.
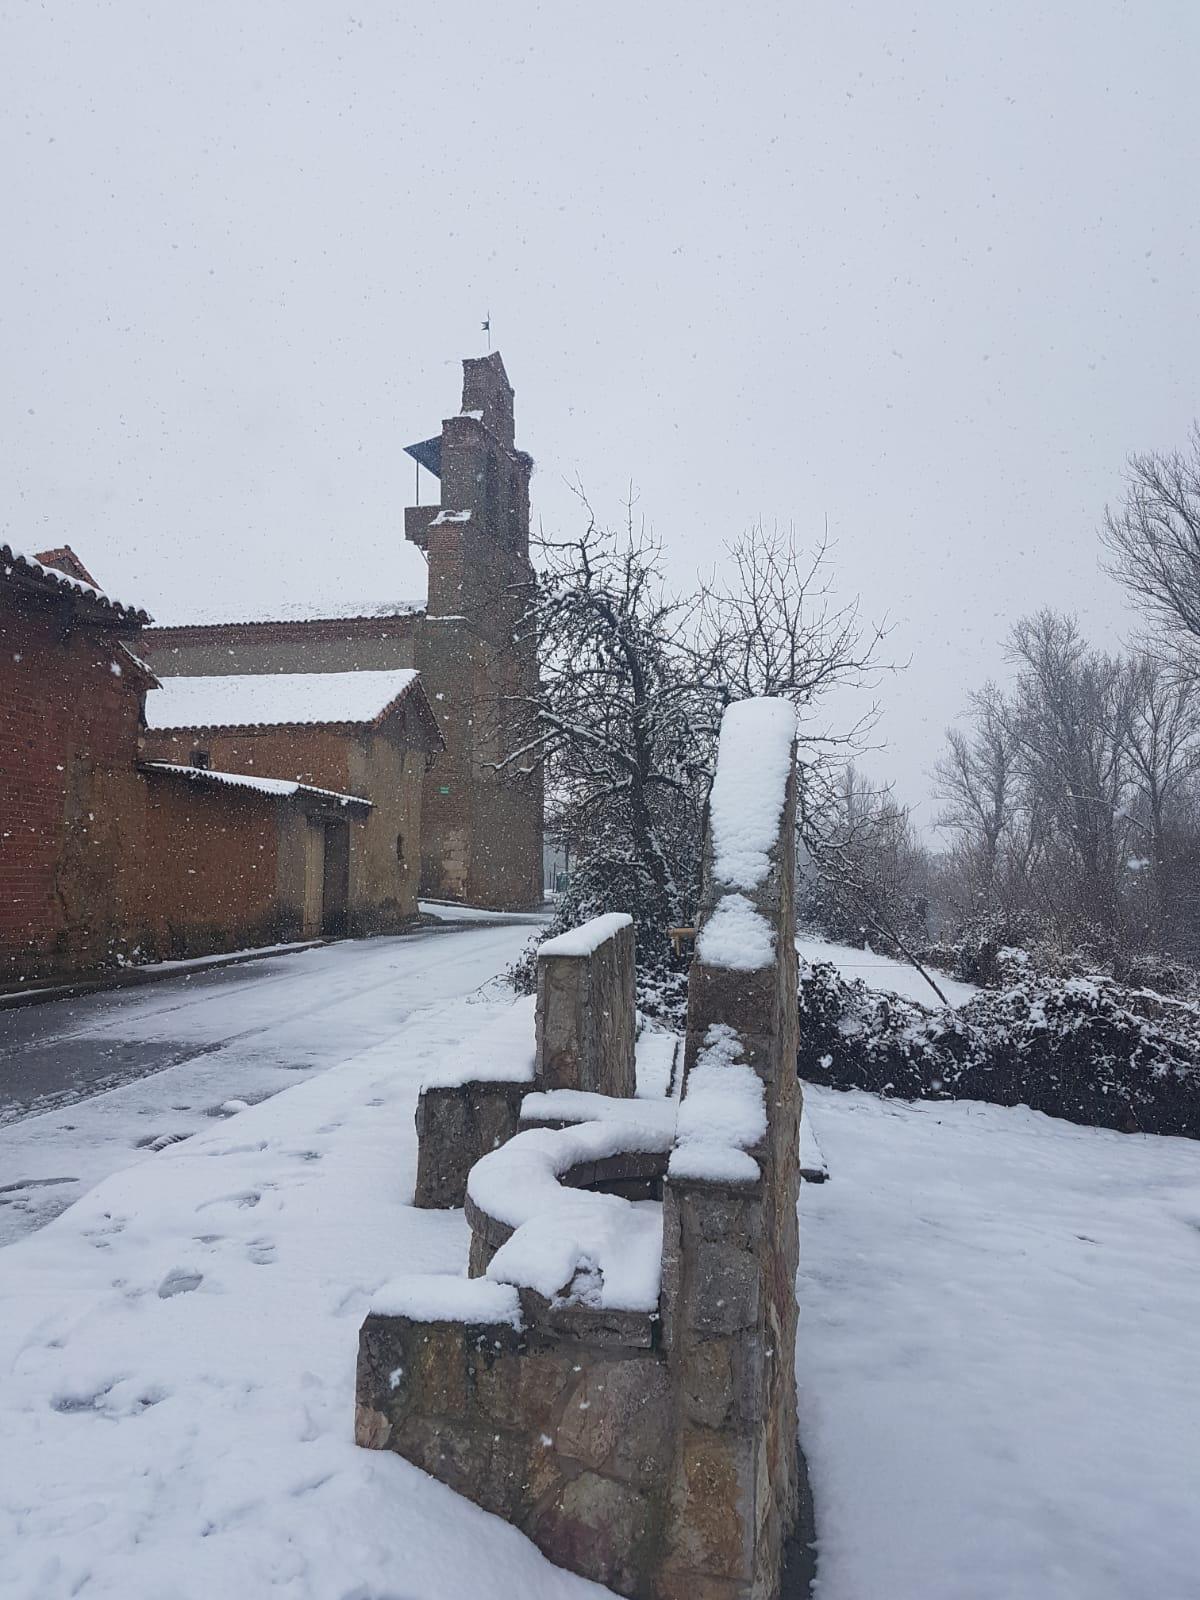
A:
{"x": 428, "y": 454}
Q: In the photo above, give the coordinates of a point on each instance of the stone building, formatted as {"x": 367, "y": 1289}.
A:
{"x": 229, "y": 862}
{"x": 481, "y": 829}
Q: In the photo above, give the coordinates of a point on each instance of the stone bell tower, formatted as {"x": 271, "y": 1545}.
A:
{"x": 481, "y": 827}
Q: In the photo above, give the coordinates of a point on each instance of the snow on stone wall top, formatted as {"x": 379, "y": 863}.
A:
{"x": 599, "y": 1248}
{"x": 587, "y": 938}
{"x": 581, "y": 1105}
{"x": 438, "y": 1297}
{"x": 281, "y": 788}
{"x": 748, "y": 792}
{"x": 502, "y": 1052}
{"x": 723, "y": 1114}
{"x": 278, "y": 699}
{"x": 753, "y": 763}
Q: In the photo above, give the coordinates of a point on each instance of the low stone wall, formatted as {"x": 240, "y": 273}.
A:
{"x": 587, "y": 1009}
{"x": 653, "y": 1449}
{"x": 563, "y": 1432}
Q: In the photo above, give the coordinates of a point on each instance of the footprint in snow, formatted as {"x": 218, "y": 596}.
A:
{"x": 261, "y": 1252}
{"x": 245, "y": 1200}
{"x": 179, "y": 1281}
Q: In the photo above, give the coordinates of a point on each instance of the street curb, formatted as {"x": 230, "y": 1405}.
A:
{"x": 129, "y": 977}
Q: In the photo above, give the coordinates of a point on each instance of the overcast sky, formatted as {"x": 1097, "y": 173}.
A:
{"x": 928, "y": 272}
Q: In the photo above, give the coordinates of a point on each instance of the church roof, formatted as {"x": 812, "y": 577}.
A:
{"x": 317, "y": 610}
{"x": 279, "y": 699}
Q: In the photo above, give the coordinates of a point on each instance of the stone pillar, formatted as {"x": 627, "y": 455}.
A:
{"x": 587, "y": 1009}
{"x": 731, "y": 1251}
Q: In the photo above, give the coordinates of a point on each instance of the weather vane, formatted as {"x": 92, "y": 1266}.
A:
{"x": 487, "y": 328}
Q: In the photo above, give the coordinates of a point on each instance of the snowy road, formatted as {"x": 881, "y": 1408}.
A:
{"x": 90, "y": 1085}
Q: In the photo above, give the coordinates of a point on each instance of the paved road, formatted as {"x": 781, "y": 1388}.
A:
{"x": 89, "y": 1085}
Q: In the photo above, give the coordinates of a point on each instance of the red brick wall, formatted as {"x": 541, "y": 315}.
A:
{"x": 70, "y": 800}
{"x": 209, "y": 868}
{"x": 380, "y": 765}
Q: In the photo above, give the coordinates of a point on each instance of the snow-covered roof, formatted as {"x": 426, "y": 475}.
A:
{"x": 280, "y": 699}
{"x": 276, "y": 788}
{"x": 315, "y": 610}
{"x": 14, "y": 563}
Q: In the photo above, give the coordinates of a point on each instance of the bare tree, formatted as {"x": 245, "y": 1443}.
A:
{"x": 769, "y": 625}
{"x": 1158, "y": 721}
{"x": 1153, "y": 538}
{"x": 1065, "y": 717}
{"x": 633, "y": 684}
{"x": 613, "y": 716}
{"x": 977, "y": 783}
{"x": 869, "y": 873}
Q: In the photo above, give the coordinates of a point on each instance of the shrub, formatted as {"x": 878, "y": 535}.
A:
{"x": 1086, "y": 1049}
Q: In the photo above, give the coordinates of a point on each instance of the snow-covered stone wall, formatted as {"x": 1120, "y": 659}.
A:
{"x": 730, "y": 1233}
{"x": 617, "y": 1379}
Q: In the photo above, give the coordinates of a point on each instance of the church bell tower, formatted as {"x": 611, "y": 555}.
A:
{"x": 481, "y": 823}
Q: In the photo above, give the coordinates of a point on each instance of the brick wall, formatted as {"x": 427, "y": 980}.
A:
{"x": 70, "y": 801}
{"x": 376, "y": 764}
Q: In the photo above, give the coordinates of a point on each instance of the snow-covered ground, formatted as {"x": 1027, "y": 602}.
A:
{"x": 451, "y": 911}
{"x": 177, "y": 1359}
{"x": 881, "y": 972}
{"x": 998, "y": 1356}
{"x": 237, "y": 1033}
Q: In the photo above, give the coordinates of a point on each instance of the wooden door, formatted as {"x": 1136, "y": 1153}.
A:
{"x": 335, "y": 888}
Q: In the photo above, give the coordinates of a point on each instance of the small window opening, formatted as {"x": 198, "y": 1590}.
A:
{"x": 202, "y": 759}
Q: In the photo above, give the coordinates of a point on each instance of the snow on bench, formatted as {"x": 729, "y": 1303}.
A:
{"x": 561, "y": 1233}
{"x": 577, "y": 1105}
{"x": 438, "y": 1297}
{"x": 503, "y": 1052}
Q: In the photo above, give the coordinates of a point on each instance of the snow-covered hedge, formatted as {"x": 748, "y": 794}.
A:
{"x": 1086, "y": 1049}
{"x": 996, "y": 952}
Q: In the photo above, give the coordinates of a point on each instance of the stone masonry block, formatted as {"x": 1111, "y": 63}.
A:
{"x": 601, "y": 1527}
{"x": 617, "y": 1419}
{"x": 712, "y": 1527}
